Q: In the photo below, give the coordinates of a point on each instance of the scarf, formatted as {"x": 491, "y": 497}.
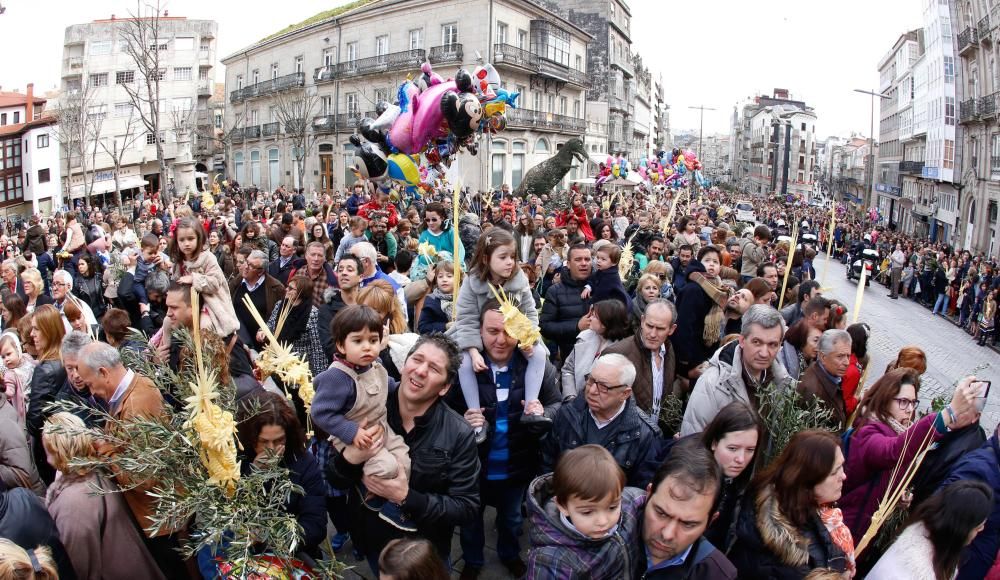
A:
{"x": 445, "y": 298}
{"x": 833, "y": 519}
{"x": 719, "y": 295}
{"x": 896, "y": 426}
{"x": 295, "y": 323}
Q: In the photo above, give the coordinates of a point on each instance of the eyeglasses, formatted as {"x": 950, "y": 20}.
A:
{"x": 906, "y": 404}
{"x": 601, "y": 387}
{"x": 662, "y": 276}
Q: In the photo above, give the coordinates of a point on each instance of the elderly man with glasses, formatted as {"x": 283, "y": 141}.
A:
{"x": 607, "y": 415}
{"x": 264, "y": 290}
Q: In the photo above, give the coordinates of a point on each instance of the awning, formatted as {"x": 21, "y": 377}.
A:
{"x": 598, "y": 158}
{"x": 583, "y": 181}
{"x": 108, "y": 185}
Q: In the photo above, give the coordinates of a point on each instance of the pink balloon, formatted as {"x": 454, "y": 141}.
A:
{"x": 421, "y": 121}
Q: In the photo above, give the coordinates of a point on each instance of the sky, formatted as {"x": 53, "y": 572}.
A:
{"x": 715, "y": 53}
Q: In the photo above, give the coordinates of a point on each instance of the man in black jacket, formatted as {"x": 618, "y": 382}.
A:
{"x": 442, "y": 488}
{"x": 287, "y": 261}
{"x": 564, "y": 312}
{"x": 607, "y": 416}
{"x": 510, "y": 455}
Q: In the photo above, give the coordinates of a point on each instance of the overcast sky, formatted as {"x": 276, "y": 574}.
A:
{"x": 710, "y": 52}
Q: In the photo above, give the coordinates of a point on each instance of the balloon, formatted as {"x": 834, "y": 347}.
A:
{"x": 420, "y": 119}
{"x": 502, "y": 96}
{"x": 463, "y": 81}
{"x": 487, "y": 80}
{"x": 463, "y": 113}
{"x": 428, "y": 78}
{"x": 494, "y": 108}
{"x": 497, "y": 123}
{"x": 369, "y": 161}
{"x": 403, "y": 168}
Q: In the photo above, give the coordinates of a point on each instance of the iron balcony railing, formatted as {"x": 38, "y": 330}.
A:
{"x": 967, "y": 39}
{"x": 911, "y": 167}
{"x": 540, "y": 120}
{"x": 238, "y": 134}
{"x": 983, "y": 28}
{"x": 967, "y": 111}
{"x": 252, "y": 132}
{"x": 509, "y": 55}
{"x": 204, "y": 88}
{"x": 271, "y": 129}
{"x": 74, "y": 62}
{"x": 268, "y": 87}
{"x": 988, "y": 106}
{"x": 393, "y": 61}
{"x": 339, "y": 122}
{"x": 325, "y": 74}
{"x": 445, "y": 53}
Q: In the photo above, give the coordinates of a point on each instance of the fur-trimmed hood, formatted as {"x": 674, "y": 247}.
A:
{"x": 780, "y": 536}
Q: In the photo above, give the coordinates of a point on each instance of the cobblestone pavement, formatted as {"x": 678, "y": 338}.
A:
{"x": 951, "y": 353}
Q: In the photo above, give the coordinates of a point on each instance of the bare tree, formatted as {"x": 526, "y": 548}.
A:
{"x": 79, "y": 130}
{"x": 222, "y": 137}
{"x": 294, "y": 111}
{"x": 120, "y": 144}
{"x": 140, "y": 36}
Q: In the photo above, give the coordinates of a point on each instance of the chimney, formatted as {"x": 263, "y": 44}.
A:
{"x": 29, "y": 107}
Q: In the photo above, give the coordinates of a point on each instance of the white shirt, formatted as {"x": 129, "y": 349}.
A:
{"x": 603, "y": 424}
{"x": 657, "y": 378}
{"x": 120, "y": 391}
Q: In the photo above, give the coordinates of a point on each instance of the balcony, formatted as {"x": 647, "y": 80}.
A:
{"x": 967, "y": 111}
{"x": 446, "y": 53}
{"x": 269, "y": 87}
{"x": 271, "y": 129}
{"x": 325, "y": 74}
{"x": 967, "y": 40}
{"x": 73, "y": 65}
{"x": 510, "y": 55}
{"x": 988, "y": 106}
{"x": 237, "y": 135}
{"x": 252, "y": 132}
{"x": 204, "y": 88}
{"x": 542, "y": 121}
{"x": 911, "y": 167}
{"x": 394, "y": 61}
{"x": 983, "y": 28}
{"x": 339, "y": 122}
{"x": 623, "y": 63}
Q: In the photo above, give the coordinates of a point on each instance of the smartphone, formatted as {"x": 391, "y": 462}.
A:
{"x": 983, "y": 388}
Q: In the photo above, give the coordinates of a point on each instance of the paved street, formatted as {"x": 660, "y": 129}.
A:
{"x": 951, "y": 353}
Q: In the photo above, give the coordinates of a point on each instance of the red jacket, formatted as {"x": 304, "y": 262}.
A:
{"x": 373, "y": 206}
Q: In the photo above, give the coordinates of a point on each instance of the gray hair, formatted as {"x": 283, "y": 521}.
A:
{"x": 157, "y": 281}
{"x": 832, "y": 337}
{"x": 100, "y": 355}
{"x": 365, "y": 251}
{"x": 666, "y": 304}
{"x": 625, "y": 367}
{"x": 763, "y": 316}
{"x": 257, "y": 255}
{"x": 10, "y": 263}
{"x": 74, "y": 342}
{"x": 64, "y": 274}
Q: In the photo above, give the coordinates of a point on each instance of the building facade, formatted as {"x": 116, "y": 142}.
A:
{"x": 774, "y": 146}
{"x": 342, "y": 65}
{"x": 95, "y": 61}
{"x": 980, "y": 176}
{"x": 896, "y": 86}
{"x": 29, "y": 156}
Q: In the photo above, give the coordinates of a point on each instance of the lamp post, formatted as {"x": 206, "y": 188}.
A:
{"x": 871, "y": 140}
{"x": 701, "y": 126}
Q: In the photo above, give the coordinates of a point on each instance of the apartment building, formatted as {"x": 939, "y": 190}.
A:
{"x": 29, "y": 155}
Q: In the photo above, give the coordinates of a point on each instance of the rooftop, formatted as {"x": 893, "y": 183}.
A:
{"x": 13, "y": 99}
{"x": 320, "y": 17}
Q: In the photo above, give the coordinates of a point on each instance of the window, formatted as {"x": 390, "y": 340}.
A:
{"x": 17, "y": 117}
{"x": 498, "y": 169}
{"x": 123, "y": 109}
{"x": 517, "y": 167}
{"x": 949, "y": 69}
{"x": 381, "y": 95}
{"x": 203, "y": 74}
{"x": 352, "y": 105}
{"x": 352, "y": 51}
{"x": 97, "y": 112}
{"x": 563, "y": 104}
{"x": 150, "y": 139}
{"x": 123, "y": 77}
{"x": 43, "y": 175}
{"x": 416, "y": 39}
{"x": 449, "y": 34}
{"x": 576, "y": 109}
{"x": 501, "y": 32}
{"x": 184, "y": 43}
{"x": 99, "y": 47}
{"x": 522, "y": 39}
{"x": 542, "y": 146}
{"x": 238, "y": 162}
{"x": 160, "y": 74}
{"x": 995, "y": 153}
{"x": 182, "y": 73}
{"x": 328, "y": 57}
{"x": 3, "y": 118}
{"x": 256, "y": 76}
{"x": 239, "y": 82}
{"x": 949, "y": 110}
{"x": 536, "y": 100}
{"x": 274, "y": 70}
{"x": 218, "y": 120}
{"x": 326, "y": 105}
{"x": 99, "y": 80}
{"x": 579, "y": 62}
{"x": 42, "y": 141}
{"x": 949, "y": 154}
{"x": 181, "y": 104}
{"x": 253, "y": 117}
{"x": 154, "y": 47}
{"x": 382, "y": 45}
{"x": 298, "y": 64}
{"x": 273, "y": 171}
{"x": 255, "y": 167}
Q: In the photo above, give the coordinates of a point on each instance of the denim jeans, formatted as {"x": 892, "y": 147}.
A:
{"x": 507, "y": 500}
{"x": 942, "y": 304}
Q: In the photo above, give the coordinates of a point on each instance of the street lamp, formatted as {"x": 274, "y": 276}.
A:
{"x": 871, "y": 140}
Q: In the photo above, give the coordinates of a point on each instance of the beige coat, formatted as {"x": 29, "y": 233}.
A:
{"x": 17, "y": 467}
{"x": 209, "y": 281}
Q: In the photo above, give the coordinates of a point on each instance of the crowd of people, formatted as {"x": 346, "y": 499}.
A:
{"x": 605, "y": 371}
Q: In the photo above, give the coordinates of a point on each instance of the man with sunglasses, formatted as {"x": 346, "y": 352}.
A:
{"x": 607, "y": 416}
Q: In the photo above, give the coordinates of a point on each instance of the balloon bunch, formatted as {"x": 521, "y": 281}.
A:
{"x": 434, "y": 118}
{"x": 674, "y": 168}
{"x": 616, "y": 166}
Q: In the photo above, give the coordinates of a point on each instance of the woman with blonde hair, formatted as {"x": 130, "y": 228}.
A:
{"x": 47, "y": 331}
{"x": 18, "y": 564}
{"x": 33, "y": 289}
{"x": 647, "y": 289}
{"x": 396, "y": 341}
{"x": 96, "y": 528}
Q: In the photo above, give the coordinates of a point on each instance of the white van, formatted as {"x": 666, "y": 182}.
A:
{"x": 745, "y": 213}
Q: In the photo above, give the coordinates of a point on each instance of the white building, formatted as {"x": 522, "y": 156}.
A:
{"x": 896, "y": 83}
{"x": 775, "y": 146}
{"x": 350, "y": 60}
{"x": 978, "y": 81}
{"x": 94, "y": 57}
{"x": 29, "y": 156}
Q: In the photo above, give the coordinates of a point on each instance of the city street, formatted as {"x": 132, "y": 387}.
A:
{"x": 951, "y": 353}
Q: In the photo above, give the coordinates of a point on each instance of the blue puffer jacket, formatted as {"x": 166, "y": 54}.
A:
{"x": 981, "y": 465}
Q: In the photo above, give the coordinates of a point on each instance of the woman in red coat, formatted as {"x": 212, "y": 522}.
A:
{"x": 856, "y": 368}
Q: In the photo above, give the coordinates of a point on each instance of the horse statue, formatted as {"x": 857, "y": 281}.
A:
{"x": 547, "y": 174}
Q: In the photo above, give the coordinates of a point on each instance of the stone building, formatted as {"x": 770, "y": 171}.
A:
{"x": 94, "y": 58}
{"x": 341, "y": 63}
